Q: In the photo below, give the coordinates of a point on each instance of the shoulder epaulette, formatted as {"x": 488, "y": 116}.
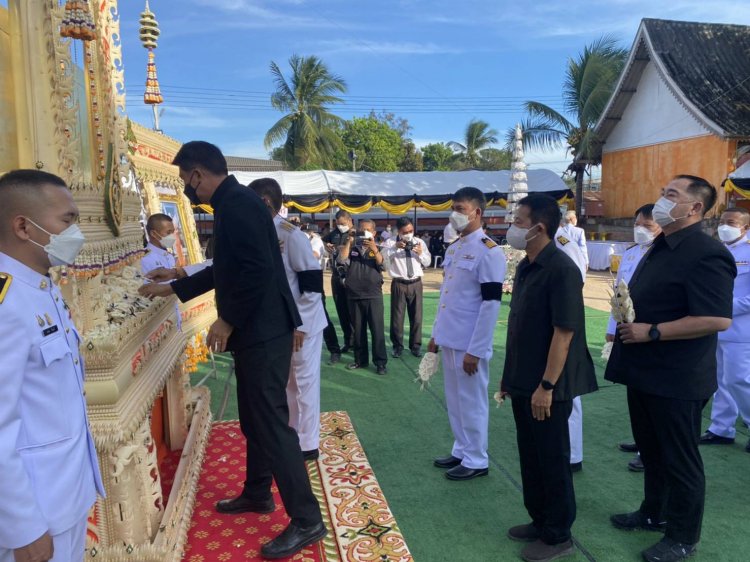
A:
{"x": 286, "y": 225}
{"x": 563, "y": 240}
{"x": 5, "y": 280}
{"x": 489, "y": 242}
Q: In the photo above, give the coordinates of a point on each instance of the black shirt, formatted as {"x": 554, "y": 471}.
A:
{"x": 687, "y": 273}
{"x": 252, "y": 291}
{"x": 364, "y": 277}
{"x": 336, "y": 238}
{"x": 547, "y": 293}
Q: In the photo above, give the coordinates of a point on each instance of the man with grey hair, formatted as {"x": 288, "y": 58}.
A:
{"x": 571, "y": 232}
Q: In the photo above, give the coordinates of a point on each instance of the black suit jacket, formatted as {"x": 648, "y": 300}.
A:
{"x": 252, "y": 292}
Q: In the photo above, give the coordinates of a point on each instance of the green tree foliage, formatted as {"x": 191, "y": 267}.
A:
{"x": 437, "y": 156}
{"x": 589, "y": 81}
{"x": 477, "y": 137}
{"x": 495, "y": 159}
{"x": 378, "y": 147}
{"x": 308, "y": 128}
{"x": 412, "y": 160}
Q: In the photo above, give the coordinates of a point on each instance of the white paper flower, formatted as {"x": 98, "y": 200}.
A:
{"x": 427, "y": 368}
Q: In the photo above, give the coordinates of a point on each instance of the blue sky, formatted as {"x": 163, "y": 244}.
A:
{"x": 436, "y": 63}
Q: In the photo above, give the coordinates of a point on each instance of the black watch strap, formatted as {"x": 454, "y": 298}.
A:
{"x": 546, "y": 385}
{"x": 654, "y": 333}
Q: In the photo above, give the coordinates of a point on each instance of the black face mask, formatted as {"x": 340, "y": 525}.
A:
{"x": 192, "y": 195}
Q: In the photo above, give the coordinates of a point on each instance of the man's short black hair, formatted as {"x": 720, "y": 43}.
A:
{"x": 700, "y": 189}
{"x": 201, "y": 153}
{"x": 20, "y": 190}
{"x": 543, "y": 209}
{"x": 646, "y": 210}
{"x": 741, "y": 211}
{"x": 156, "y": 220}
{"x": 471, "y": 194}
{"x": 401, "y": 222}
{"x": 270, "y": 188}
{"x": 342, "y": 214}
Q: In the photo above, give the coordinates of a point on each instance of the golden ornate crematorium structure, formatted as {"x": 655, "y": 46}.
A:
{"x": 62, "y": 110}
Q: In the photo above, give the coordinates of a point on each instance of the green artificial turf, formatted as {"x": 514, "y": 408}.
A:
{"x": 402, "y": 429}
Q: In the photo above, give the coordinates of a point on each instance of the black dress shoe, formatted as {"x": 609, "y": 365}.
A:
{"x": 636, "y": 465}
{"x": 710, "y": 438}
{"x": 335, "y": 358}
{"x": 292, "y": 540}
{"x": 310, "y": 455}
{"x": 668, "y": 550}
{"x": 460, "y": 472}
{"x": 576, "y": 466}
{"x": 416, "y": 352}
{"x": 241, "y": 504}
{"x": 381, "y": 370}
{"x": 397, "y": 351}
{"x": 446, "y": 462}
{"x": 637, "y": 521}
{"x": 628, "y": 447}
{"x": 354, "y": 366}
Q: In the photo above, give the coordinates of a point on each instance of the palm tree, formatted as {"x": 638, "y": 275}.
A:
{"x": 477, "y": 137}
{"x": 308, "y": 129}
{"x": 588, "y": 85}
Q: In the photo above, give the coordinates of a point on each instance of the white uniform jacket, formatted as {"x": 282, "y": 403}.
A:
{"x": 155, "y": 258}
{"x": 474, "y": 268}
{"x": 304, "y": 275}
{"x": 49, "y": 473}
{"x": 628, "y": 264}
{"x": 739, "y": 331}
{"x": 572, "y": 250}
{"x": 578, "y": 236}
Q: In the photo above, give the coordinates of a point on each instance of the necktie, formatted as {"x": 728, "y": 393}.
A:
{"x": 409, "y": 266}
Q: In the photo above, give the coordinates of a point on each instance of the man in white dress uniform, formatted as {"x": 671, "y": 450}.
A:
{"x": 645, "y": 230}
{"x": 568, "y": 239}
{"x": 49, "y": 476}
{"x": 733, "y": 350}
{"x": 305, "y": 278}
{"x": 470, "y": 298}
{"x": 161, "y": 239}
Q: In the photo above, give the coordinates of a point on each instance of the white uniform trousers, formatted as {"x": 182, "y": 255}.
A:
{"x": 575, "y": 428}
{"x": 69, "y": 546}
{"x": 733, "y": 396}
{"x": 468, "y": 408}
{"x": 303, "y": 391}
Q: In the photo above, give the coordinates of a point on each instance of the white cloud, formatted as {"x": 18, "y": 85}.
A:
{"x": 385, "y": 47}
{"x": 252, "y": 148}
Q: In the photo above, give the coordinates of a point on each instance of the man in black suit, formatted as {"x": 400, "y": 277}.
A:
{"x": 256, "y": 321}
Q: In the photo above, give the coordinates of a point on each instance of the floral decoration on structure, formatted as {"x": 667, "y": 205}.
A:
{"x": 77, "y": 22}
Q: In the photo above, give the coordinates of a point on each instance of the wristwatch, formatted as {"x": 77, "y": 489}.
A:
{"x": 654, "y": 333}
{"x": 546, "y": 385}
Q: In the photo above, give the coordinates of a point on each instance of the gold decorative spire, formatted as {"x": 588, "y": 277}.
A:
{"x": 77, "y": 21}
{"x": 149, "y": 34}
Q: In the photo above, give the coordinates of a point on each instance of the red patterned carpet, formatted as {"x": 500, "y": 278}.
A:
{"x": 360, "y": 524}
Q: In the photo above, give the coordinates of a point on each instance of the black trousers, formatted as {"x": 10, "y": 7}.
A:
{"x": 364, "y": 313}
{"x": 406, "y": 297}
{"x": 273, "y": 450}
{"x": 666, "y": 431}
{"x": 329, "y": 332}
{"x": 340, "y": 298}
{"x": 544, "y": 451}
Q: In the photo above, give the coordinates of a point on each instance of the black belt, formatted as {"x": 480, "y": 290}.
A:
{"x": 407, "y": 281}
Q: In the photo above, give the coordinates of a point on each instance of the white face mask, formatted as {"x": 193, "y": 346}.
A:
{"x": 459, "y": 221}
{"x": 168, "y": 241}
{"x": 343, "y": 229}
{"x": 63, "y": 248}
{"x": 367, "y": 235}
{"x": 662, "y": 212}
{"x": 643, "y": 235}
{"x": 408, "y": 237}
{"x": 516, "y": 237}
{"x": 729, "y": 233}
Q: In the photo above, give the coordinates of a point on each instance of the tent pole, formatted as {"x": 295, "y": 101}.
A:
{"x": 415, "y": 218}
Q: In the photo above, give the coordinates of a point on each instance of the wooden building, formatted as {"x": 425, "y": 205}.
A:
{"x": 681, "y": 106}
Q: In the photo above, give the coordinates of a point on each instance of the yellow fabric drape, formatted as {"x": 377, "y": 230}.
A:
{"x": 353, "y": 210}
{"x": 205, "y": 208}
{"x": 730, "y": 186}
{"x": 438, "y": 207}
{"x": 313, "y": 209}
{"x": 399, "y": 209}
